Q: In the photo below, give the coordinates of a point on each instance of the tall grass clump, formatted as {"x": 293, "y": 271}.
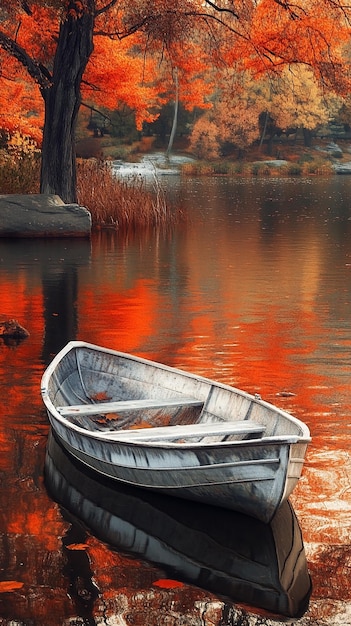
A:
{"x": 120, "y": 204}
{"x": 317, "y": 167}
{"x": 19, "y": 174}
{"x": 197, "y": 168}
{"x": 292, "y": 169}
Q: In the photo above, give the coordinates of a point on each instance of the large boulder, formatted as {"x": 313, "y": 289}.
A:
{"x": 42, "y": 215}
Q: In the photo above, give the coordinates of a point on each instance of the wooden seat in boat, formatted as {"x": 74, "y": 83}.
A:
{"x": 126, "y": 405}
{"x": 188, "y": 431}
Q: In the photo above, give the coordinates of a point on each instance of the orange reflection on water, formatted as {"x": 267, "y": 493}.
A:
{"x": 249, "y": 312}
{"x": 128, "y": 318}
{"x": 266, "y": 336}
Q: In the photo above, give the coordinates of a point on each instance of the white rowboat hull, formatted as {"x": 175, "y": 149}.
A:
{"x": 208, "y": 442}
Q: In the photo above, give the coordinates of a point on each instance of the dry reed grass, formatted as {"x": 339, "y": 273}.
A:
{"x": 120, "y": 204}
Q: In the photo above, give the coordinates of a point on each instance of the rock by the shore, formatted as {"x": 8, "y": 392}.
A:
{"x": 42, "y": 215}
{"x": 11, "y": 331}
{"x": 342, "y": 168}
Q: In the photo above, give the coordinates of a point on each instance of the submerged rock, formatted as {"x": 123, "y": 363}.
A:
{"x": 11, "y": 331}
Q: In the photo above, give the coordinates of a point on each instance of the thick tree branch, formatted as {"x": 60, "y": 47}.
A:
{"x": 95, "y": 110}
{"x": 222, "y": 9}
{"x": 294, "y": 9}
{"x": 38, "y": 72}
{"x": 26, "y": 8}
{"x": 108, "y": 6}
{"x": 147, "y": 19}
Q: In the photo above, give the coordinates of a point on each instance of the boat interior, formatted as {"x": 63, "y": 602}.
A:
{"x": 136, "y": 398}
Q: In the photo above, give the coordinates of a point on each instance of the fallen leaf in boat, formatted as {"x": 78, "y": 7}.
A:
{"x": 100, "y": 397}
{"x": 111, "y": 416}
{"x": 141, "y": 425}
{"x": 106, "y": 418}
{"x": 167, "y": 583}
{"x": 10, "y": 585}
{"x": 77, "y": 546}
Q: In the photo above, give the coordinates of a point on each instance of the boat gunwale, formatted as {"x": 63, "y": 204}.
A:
{"x": 304, "y": 438}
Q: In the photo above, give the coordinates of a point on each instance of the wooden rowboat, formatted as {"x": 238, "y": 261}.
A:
{"x": 224, "y": 552}
{"x": 156, "y": 427}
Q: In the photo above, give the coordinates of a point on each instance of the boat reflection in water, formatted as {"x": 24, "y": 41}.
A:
{"x": 226, "y": 553}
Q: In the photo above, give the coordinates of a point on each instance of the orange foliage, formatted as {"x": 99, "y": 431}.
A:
{"x": 116, "y": 75}
{"x": 195, "y": 81}
{"x": 21, "y": 107}
{"x": 188, "y": 35}
{"x": 204, "y": 138}
{"x": 37, "y": 33}
{"x": 309, "y": 33}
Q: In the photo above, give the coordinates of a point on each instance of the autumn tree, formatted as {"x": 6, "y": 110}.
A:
{"x": 184, "y": 78}
{"x": 66, "y": 55}
{"x": 287, "y": 61}
{"x": 53, "y": 40}
{"x": 299, "y": 102}
{"x": 233, "y": 118}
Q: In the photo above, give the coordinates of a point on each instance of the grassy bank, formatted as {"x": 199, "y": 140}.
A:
{"x": 288, "y": 157}
{"x": 120, "y": 204}
{"x": 113, "y": 203}
{"x": 313, "y": 167}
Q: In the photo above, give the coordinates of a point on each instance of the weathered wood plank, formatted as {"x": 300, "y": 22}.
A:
{"x": 188, "y": 431}
{"x": 126, "y": 405}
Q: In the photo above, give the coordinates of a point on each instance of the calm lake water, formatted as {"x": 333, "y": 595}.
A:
{"x": 254, "y": 290}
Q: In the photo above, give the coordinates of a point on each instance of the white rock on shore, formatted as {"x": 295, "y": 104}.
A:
{"x": 42, "y": 215}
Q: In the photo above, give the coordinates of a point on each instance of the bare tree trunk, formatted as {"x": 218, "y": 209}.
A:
{"x": 307, "y": 137}
{"x": 175, "y": 115}
{"x": 62, "y": 101}
{"x": 264, "y": 129}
